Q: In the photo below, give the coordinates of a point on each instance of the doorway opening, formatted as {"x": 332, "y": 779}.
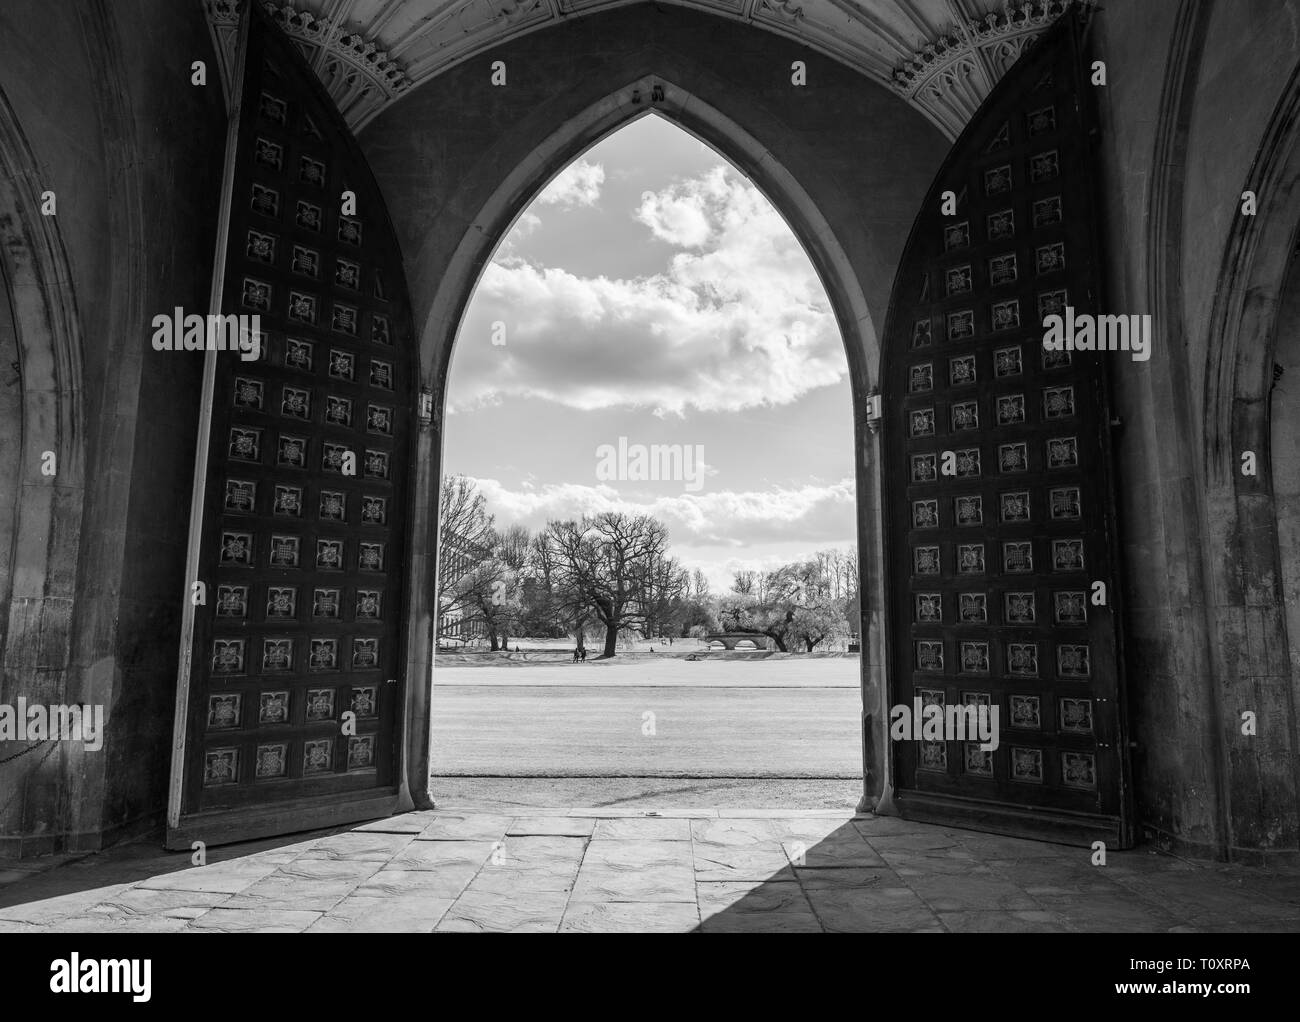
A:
{"x": 648, "y": 574}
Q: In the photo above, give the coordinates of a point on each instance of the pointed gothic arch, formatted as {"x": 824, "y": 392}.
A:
{"x": 34, "y": 267}
{"x": 1251, "y": 571}
{"x": 452, "y": 285}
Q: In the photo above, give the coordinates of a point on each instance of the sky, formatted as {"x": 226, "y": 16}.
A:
{"x": 650, "y": 292}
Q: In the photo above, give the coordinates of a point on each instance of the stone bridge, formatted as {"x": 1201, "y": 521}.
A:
{"x": 729, "y": 639}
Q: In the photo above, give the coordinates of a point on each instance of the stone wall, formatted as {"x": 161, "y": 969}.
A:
{"x": 1192, "y": 89}
{"x": 104, "y": 115}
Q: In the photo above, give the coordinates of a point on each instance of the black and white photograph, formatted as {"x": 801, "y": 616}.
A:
{"x": 652, "y": 467}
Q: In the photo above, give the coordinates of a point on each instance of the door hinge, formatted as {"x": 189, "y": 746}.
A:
{"x": 424, "y": 408}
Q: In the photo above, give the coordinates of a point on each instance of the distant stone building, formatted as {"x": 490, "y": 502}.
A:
{"x": 459, "y": 626}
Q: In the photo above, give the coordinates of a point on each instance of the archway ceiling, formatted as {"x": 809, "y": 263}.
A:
{"x": 941, "y": 56}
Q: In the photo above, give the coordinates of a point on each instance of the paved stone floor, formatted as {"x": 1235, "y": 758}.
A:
{"x": 573, "y": 870}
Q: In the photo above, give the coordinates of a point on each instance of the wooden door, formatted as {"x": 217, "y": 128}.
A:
{"x": 292, "y": 705}
{"x": 1000, "y": 541}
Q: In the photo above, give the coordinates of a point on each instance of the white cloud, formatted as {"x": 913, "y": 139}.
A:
{"x": 578, "y": 184}
{"x": 737, "y": 320}
{"x": 677, "y": 216}
{"x": 811, "y": 514}
{"x": 525, "y": 225}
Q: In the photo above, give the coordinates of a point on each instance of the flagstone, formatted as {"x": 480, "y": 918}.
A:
{"x": 1002, "y": 922}
{"x": 643, "y": 829}
{"x": 735, "y": 832}
{"x": 637, "y": 855}
{"x": 359, "y": 914}
{"x": 441, "y": 854}
{"x": 832, "y": 853}
{"x": 100, "y": 923}
{"x": 445, "y": 882}
{"x": 978, "y": 889}
{"x": 46, "y": 901}
{"x": 746, "y": 906}
{"x": 815, "y": 829}
{"x": 143, "y": 901}
{"x": 767, "y": 861}
{"x": 1108, "y": 914}
{"x": 947, "y": 861}
{"x": 285, "y": 894}
{"x": 630, "y": 917}
{"x": 230, "y": 920}
{"x": 662, "y": 883}
{"x": 466, "y": 828}
{"x": 229, "y": 877}
{"x": 359, "y": 845}
{"x": 558, "y": 826}
{"x": 884, "y": 910}
{"x": 406, "y": 823}
{"x": 494, "y": 912}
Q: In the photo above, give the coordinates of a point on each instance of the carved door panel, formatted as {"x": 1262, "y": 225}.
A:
{"x": 999, "y": 496}
{"x": 293, "y": 704}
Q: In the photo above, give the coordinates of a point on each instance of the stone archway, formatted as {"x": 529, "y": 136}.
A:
{"x": 848, "y": 300}
{"x": 47, "y": 509}
{"x": 856, "y": 282}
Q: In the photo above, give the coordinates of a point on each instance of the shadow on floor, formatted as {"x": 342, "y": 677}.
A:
{"x": 25, "y": 882}
{"x": 883, "y": 874}
{"x": 594, "y": 870}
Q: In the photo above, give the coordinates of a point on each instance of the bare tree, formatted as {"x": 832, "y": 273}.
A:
{"x": 743, "y": 583}
{"x": 492, "y": 589}
{"x": 826, "y": 569}
{"x": 514, "y": 545}
{"x": 850, "y": 567}
{"x": 846, "y": 569}
{"x": 604, "y": 561}
{"x": 816, "y": 623}
{"x": 490, "y": 593}
{"x": 660, "y": 583}
{"x": 768, "y": 582}
{"x": 465, "y": 538}
{"x": 699, "y": 585}
{"x": 567, "y": 598}
{"x": 543, "y": 607}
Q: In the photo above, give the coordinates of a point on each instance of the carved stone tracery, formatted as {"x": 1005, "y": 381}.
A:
{"x": 946, "y": 78}
{"x": 361, "y": 78}
{"x": 967, "y": 60}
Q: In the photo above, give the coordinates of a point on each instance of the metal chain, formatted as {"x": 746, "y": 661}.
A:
{"x": 18, "y": 788}
{"x": 30, "y": 748}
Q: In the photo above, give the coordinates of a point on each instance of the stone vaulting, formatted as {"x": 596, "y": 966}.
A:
{"x": 942, "y": 56}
